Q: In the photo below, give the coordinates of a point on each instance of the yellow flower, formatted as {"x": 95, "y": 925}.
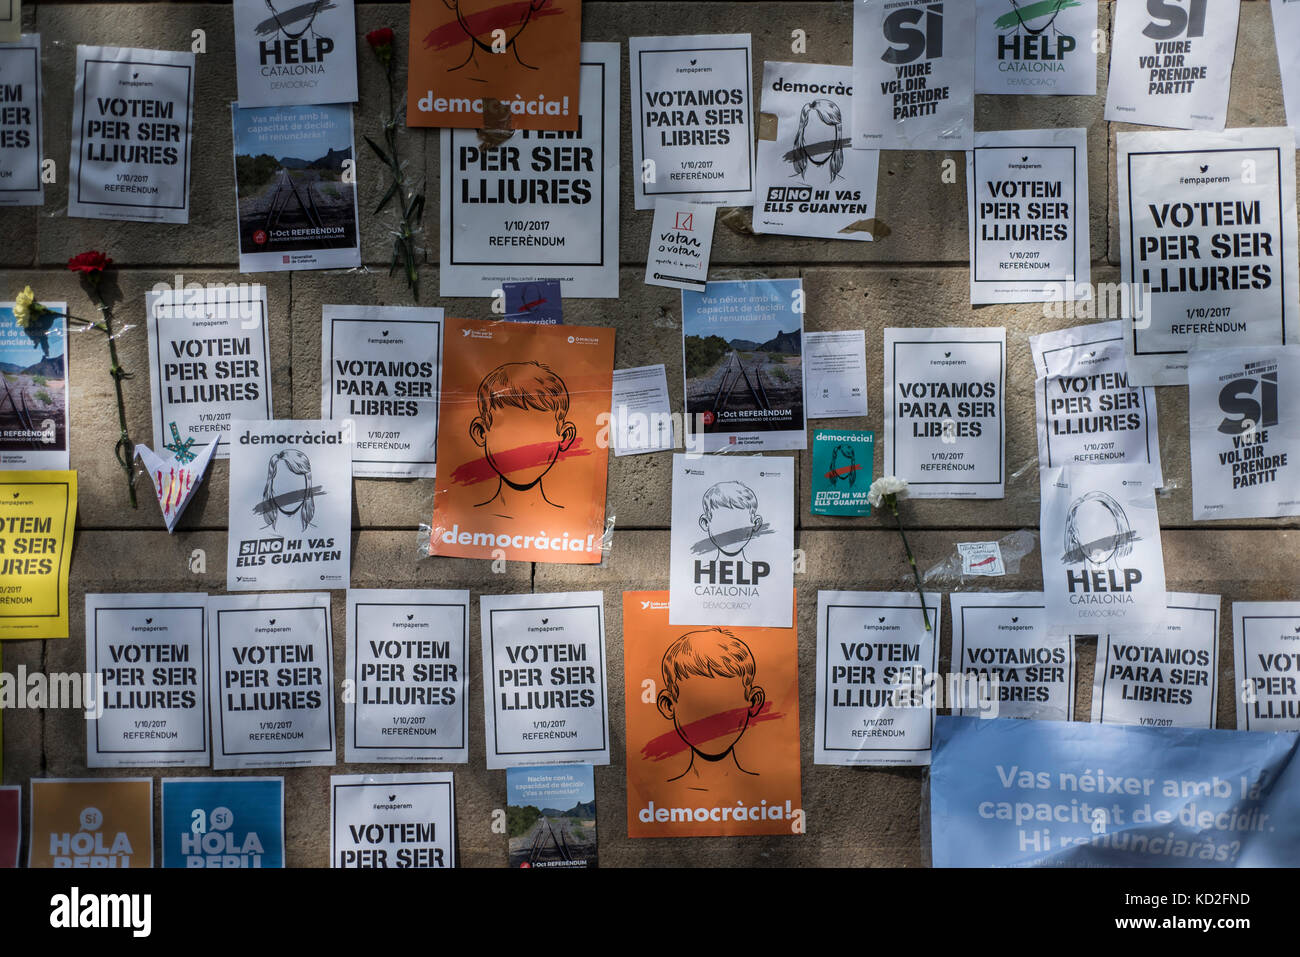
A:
{"x": 24, "y": 305}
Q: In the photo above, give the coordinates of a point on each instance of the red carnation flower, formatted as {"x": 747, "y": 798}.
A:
{"x": 383, "y": 37}
{"x": 92, "y": 263}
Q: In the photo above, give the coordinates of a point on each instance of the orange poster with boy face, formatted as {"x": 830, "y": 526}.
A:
{"x": 464, "y": 54}
{"x": 715, "y": 751}
{"x": 92, "y": 822}
{"x": 523, "y": 442}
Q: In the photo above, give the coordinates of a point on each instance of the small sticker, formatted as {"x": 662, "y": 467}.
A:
{"x": 981, "y": 558}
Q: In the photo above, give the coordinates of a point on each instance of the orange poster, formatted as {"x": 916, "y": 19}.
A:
{"x": 712, "y": 726}
{"x": 92, "y": 822}
{"x": 465, "y": 54}
{"x": 523, "y": 442}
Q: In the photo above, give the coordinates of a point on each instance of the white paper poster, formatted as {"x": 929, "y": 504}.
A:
{"x": 1027, "y": 195}
{"x": 944, "y": 409}
{"x": 542, "y": 205}
{"x": 1089, "y": 412}
{"x": 681, "y": 239}
{"x": 811, "y": 181}
{"x": 295, "y": 187}
{"x": 692, "y": 101}
{"x": 732, "y": 541}
{"x": 913, "y": 75}
{"x": 876, "y": 671}
{"x": 381, "y": 370}
{"x": 209, "y": 364}
{"x": 290, "y": 505}
{"x": 1167, "y": 679}
{"x": 393, "y": 820}
{"x": 1171, "y": 62}
{"x": 272, "y": 678}
{"x": 291, "y": 52}
{"x": 641, "y": 419}
{"x": 1207, "y": 245}
{"x": 131, "y": 120}
{"x": 981, "y": 559}
{"x": 1286, "y": 31}
{"x": 1012, "y": 667}
{"x": 11, "y": 22}
{"x": 151, "y": 652}
{"x": 835, "y": 373}
{"x": 408, "y": 661}
{"x": 1035, "y": 48}
{"x": 1244, "y": 410}
{"x": 1266, "y": 661}
{"x": 544, "y": 681}
{"x": 21, "y": 142}
{"x": 1103, "y": 565}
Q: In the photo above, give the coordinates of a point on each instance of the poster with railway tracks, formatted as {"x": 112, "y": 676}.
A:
{"x": 742, "y": 349}
{"x": 33, "y": 390}
{"x": 551, "y": 816}
{"x": 295, "y": 188}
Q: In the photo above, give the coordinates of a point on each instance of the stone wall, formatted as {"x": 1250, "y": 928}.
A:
{"x": 914, "y": 276}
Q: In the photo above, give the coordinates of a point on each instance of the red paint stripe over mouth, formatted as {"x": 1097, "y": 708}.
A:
{"x": 524, "y": 457}
{"x": 485, "y": 21}
{"x": 705, "y": 729}
{"x": 843, "y": 470}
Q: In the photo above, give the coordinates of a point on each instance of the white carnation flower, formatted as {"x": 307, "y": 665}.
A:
{"x": 883, "y": 486}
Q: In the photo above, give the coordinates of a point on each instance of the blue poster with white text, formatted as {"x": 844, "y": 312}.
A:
{"x": 1007, "y": 793}
{"x": 223, "y": 822}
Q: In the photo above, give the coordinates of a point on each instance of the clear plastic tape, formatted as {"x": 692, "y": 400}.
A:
{"x": 78, "y": 329}
{"x": 1014, "y": 547}
{"x": 739, "y": 219}
{"x": 425, "y": 530}
{"x": 1022, "y": 469}
{"x": 1169, "y": 488}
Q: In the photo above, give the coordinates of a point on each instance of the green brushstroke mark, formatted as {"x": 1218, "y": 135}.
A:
{"x": 1033, "y": 11}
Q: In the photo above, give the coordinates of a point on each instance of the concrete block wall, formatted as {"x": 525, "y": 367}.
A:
{"x": 915, "y": 276}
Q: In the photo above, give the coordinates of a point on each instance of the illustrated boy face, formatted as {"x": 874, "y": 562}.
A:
{"x": 710, "y": 714}
{"x": 730, "y": 527}
{"x": 1096, "y": 530}
{"x": 521, "y": 425}
{"x": 480, "y": 27}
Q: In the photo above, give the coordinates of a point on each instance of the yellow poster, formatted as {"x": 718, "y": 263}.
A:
{"x": 38, "y": 512}
{"x": 92, "y": 822}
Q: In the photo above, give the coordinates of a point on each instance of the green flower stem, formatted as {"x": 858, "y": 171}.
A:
{"x": 125, "y": 448}
{"x": 925, "y": 612}
{"x": 406, "y": 235}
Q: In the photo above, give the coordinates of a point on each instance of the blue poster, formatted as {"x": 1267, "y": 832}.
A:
{"x": 1008, "y": 793}
{"x": 223, "y": 822}
{"x": 536, "y": 301}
